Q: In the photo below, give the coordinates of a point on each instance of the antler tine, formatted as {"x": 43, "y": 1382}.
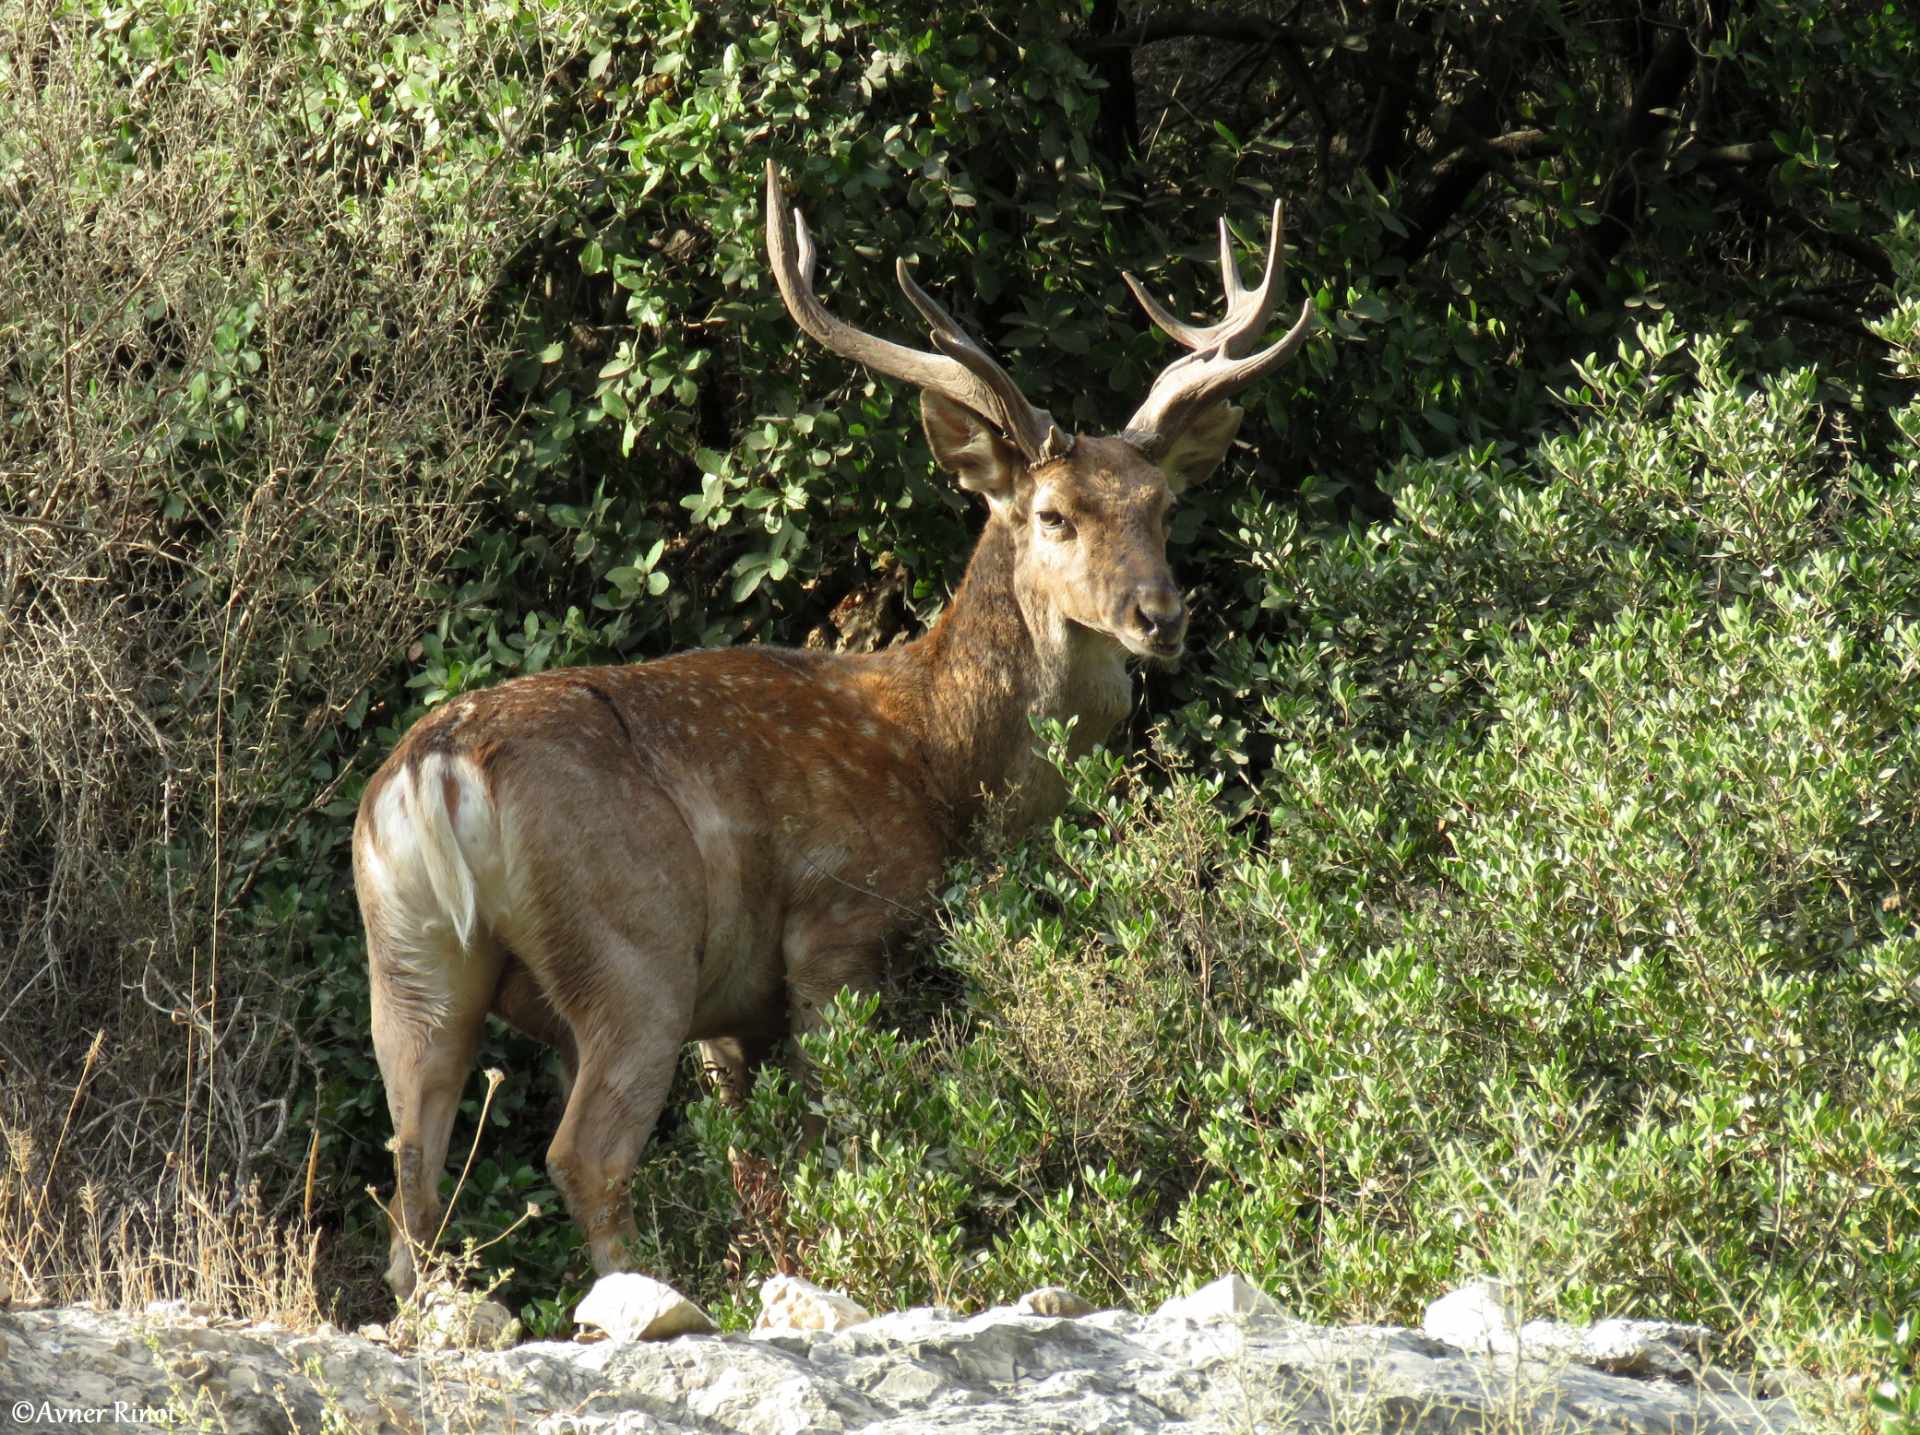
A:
{"x": 1215, "y": 369}
{"x": 1188, "y": 334}
{"x": 1247, "y": 309}
{"x": 963, "y": 371}
{"x": 1033, "y": 429}
{"x": 1229, "y": 266}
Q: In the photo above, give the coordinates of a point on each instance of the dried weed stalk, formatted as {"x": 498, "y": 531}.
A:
{"x": 248, "y": 376}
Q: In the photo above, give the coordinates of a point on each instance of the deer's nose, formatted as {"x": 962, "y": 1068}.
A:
{"x": 1158, "y": 614}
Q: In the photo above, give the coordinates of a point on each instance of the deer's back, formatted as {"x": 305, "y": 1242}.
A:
{"x": 743, "y": 806}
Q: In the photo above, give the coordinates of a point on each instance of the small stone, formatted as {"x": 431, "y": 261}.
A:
{"x": 629, "y": 1306}
{"x": 1774, "y": 1384}
{"x": 789, "y": 1303}
{"x": 1232, "y": 1296}
{"x": 1054, "y": 1301}
{"x": 179, "y": 1309}
{"x": 373, "y": 1330}
{"x": 1749, "y": 1386}
{"x": 1477, "y": 1317}
{"x": 462, "y": 1320}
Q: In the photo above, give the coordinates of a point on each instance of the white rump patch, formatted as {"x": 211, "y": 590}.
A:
{"x": 430, "y": 855}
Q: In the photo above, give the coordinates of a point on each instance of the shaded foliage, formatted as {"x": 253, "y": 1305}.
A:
{"x": 1441, "y": 589}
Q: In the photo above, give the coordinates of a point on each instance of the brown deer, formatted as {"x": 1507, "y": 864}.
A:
{"x": 709, "y": 846}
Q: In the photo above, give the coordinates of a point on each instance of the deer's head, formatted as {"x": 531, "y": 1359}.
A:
{"x": 1087, "y": 516}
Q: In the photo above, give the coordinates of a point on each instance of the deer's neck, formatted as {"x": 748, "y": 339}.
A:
{"x": 997, "y": 659}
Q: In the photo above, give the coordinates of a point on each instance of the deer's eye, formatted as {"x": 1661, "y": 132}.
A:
{"x": 1053, "y": 522}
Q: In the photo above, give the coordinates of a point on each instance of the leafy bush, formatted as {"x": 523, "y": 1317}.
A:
{"x": 248, "y": 394}
{"x": 1572, "y": 939}
{"x": 1522, "y": 873}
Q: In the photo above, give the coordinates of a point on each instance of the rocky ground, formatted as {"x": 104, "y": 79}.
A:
{"x": 1226, "y": 1359}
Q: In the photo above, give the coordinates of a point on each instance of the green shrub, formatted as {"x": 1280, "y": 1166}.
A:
{"x": 1522, "y": 871}
{"x": 1569, "y": 939}
{"x": 247, "y": 390}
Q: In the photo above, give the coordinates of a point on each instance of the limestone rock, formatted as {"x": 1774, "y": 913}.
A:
{"x": 1230, "y": 1297}
{"x": 897, "y": 1374}
{"x": 465, "y": 1320}
{"x": 1480, "y": 1317}
{"x": 1477, "y": 1317}
{"x": 179, "y": 1309}
{"x": 628, "y": 1306}
{"x": 1663, "y": 1348}
{"x": 789, "y": 1303}
{"x": 1054, "y": 1301}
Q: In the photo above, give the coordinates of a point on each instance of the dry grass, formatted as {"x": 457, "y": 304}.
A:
{"x": 212, "y": 1246}
{"x": 249, "y": 369}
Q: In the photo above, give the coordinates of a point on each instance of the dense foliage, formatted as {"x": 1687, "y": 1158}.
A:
{"x": 1520, "y": 872}
{"x": 1603, "y": 976}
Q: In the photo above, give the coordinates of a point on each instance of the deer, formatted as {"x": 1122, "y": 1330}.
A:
{"x": 708, "y": 846}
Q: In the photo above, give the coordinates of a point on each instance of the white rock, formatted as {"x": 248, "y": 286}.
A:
{"x": 465, "y": 1320}
{"x": 1055, "y": 1301}
{"x": 629, "y": 1306}
{"x": 1232, "y": 1296}
{"x": 1479, "y": 1316}
{"x": 179, "y": 1309}
{"x": 1664, "y": 1348}
{"x": 913, "y": 1371}
{"x": 789, "y": 1303}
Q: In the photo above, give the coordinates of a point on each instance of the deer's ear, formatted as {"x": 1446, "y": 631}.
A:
{"x": 969, "y": 448}
{"x": 1195, "y": 452}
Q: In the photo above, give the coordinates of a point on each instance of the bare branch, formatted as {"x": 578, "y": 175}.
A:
{"x": 1196, "y": 24}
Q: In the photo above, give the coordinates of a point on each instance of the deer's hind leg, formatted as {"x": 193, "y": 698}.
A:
{"x": 616, "y": 947}
{"x": 522, "y": 1003}
{"x": 730, "y": 1063}
{"x": 628, "y": 1028}
{"x": 429, "y": 1009}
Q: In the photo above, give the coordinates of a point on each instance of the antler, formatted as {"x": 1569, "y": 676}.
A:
{"x": 1218, "y": 366}
{"x": 962, "y": 371}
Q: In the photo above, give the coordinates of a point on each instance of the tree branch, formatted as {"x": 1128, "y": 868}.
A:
{"x": 1673, "y": 64}
{"x": 1392, "y": 70}
{"x": 1869, "y": 257}
{"x": 1195, "y": 24}
{"x": 1295, "y": 64}
{"x": 1117, "y": 128}
{"x": 1720, "y": 156}
{"x": 1827, "y": 317}
{"x": 1460, "y": 169}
